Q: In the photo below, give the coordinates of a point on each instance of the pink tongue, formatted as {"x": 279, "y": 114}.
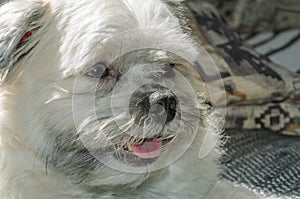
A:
{"x": 148, "y": 149}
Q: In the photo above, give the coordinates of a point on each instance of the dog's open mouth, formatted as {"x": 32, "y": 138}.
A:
{"x": 144, "y": 151}
{"x": 149, "y": 148}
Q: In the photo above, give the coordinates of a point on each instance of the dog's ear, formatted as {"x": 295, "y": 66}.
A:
{"x": 20, "y": 24}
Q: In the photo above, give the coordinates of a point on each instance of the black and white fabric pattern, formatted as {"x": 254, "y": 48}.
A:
{"x": 261, "y": 139}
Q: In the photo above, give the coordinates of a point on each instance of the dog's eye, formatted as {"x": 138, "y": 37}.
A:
{"x": 99, "y": 70}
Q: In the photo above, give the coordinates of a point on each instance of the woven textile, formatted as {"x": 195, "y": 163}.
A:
{"x": 256, "y": 15}
{"x": 263, "y": 161}
{"x": 254, "y": 85}
{"x": 261, "y": 140}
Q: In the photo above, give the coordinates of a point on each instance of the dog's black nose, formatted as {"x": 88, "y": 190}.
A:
{"x": 159, "y": 105}
{"x": 162, "y": 106}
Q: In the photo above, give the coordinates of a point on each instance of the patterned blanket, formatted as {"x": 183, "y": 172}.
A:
{"x": 259, "y": 93}
{"x": 261, "y": 140}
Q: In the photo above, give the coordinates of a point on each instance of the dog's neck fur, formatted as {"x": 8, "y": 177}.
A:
{"x": 25, "y": 176}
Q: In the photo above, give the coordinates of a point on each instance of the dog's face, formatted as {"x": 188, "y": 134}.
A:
{"x": 104, "y": 92}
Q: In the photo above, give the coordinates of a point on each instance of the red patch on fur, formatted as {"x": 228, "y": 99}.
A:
{"x": 26, "y": 36}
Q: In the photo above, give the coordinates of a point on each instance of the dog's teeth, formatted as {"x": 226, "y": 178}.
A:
{"x": 129, "y": 147}
{"x": 169, "y": 137}
{"x": 140, "y": 141}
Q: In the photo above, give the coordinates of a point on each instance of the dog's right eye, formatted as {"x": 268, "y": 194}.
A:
{"x": 99, "y": 70}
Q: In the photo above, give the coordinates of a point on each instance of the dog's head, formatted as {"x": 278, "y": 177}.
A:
{"x": 104, "y": 92}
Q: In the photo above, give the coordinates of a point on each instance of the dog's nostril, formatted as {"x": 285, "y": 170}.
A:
{"x": 172, "y": 104}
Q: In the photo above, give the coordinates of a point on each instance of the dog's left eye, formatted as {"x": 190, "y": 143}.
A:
{"x": 99, "y": 70}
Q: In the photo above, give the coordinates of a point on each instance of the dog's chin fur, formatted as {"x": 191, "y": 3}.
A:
{"x": 42, "y": 155}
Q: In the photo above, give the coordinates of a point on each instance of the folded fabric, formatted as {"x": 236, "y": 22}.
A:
{"x": 262, "y": 103}
{"x": 247, "y": 16}
{"x": 254, "y": 85}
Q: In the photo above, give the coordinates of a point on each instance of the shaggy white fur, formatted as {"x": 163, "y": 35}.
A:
{"x": 51, "y": 135}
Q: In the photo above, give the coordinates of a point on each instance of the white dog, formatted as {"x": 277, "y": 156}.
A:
{"x": 99, "y": 99}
